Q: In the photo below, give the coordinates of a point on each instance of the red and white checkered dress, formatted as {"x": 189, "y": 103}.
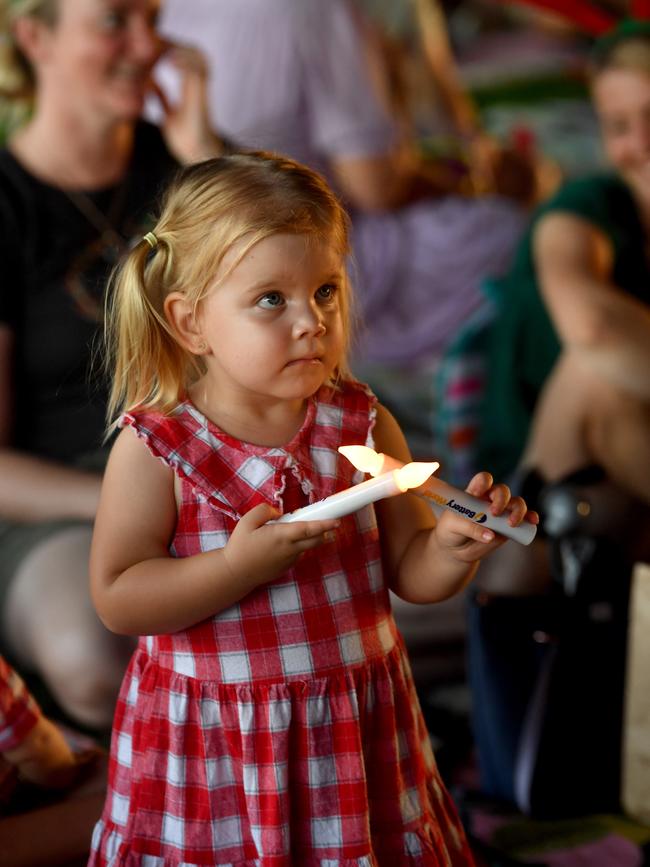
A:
{"x": 19, "y": 712}
{"x": 284, "y": 730}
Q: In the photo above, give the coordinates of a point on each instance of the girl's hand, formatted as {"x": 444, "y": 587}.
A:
{"x": 186, "y": 124}
{"x": 258, "y": 551}
{"x": 467, "y": 541}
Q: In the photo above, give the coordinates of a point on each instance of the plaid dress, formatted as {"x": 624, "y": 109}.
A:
{"x": 284, "y": 730}
{"x": 19, "y": 712}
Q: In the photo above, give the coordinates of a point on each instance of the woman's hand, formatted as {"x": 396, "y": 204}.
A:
{"x": 186, "y": 124}
{"x": 467, "y": 541}
{"x": 259, "y": 551}
{"x": 45, "y": 758}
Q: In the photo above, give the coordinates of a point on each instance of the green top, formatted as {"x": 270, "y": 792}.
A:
{"x": 523, "y": 344}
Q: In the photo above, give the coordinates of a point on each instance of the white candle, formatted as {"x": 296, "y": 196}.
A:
{"x": 441, "y": 496}
{"x": 389, "y": 484}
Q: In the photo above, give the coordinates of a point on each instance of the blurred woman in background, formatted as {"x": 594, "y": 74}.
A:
{"x": 570, "y": 355}
{"x": 77, "y": 178}
{"x": 567, "y": 412}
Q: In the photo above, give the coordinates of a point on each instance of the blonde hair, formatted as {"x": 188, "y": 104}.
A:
{"x": 207, "y": 209}
{"x": 17, "y": 80}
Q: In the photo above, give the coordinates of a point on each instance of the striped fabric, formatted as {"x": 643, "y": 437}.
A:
{"x": 19, "y": 713}
{"x": 284, "y": 730}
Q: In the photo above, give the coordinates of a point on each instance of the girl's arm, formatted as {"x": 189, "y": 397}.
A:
{"x": 138, "y": 588}
{"x": 33, "y": 489}
{"x": 428, "y": 561}
{"x": 607, "y": 328}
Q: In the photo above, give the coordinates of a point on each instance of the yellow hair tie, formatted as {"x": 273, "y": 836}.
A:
{"x": 151, "y": 239}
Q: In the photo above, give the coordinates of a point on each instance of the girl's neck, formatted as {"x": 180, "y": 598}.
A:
{"x": 73, "y": 153}
{"x": 273, "y": 425}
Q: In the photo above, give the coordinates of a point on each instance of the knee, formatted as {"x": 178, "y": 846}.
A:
{"x": 84, "y": 676}
{"x": 616, "y": 418}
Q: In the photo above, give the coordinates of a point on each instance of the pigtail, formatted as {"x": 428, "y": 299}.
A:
{"x": 208, "y": 209}
{"x": 147, "y": 364}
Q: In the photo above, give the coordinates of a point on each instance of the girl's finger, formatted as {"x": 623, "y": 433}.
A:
{"x": 464, "y": 529}
{"x": 313, "y": 542}
{"x": 480, "y": 484}
{"x": 517, "y": 509}
{"x": 258, "y": 516}
{"x": 499, "y": 497}
{"x": 299, "y": 531}
{"x": 476, "y": 533}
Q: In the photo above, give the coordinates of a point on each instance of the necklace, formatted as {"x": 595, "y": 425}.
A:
{"x": 104, "y": 223}
{"x": 87, "y": 273}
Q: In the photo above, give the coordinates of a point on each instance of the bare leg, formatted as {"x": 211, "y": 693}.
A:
{"x": 557, "y": 443}
{"x": 581, "y": 419}
{"x": 52, "y": 628}
{"x": 618, "y": 437}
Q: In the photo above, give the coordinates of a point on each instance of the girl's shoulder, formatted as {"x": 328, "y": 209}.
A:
{"x": 170, "y": 436}
{"x": 197, "y": 452}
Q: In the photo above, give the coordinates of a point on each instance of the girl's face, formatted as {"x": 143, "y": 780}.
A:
{"x": 99, "y": 55}
{"x": 622, "y": 101}
{"x": 273, "y": 326}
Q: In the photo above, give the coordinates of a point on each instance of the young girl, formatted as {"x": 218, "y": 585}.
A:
{"x": 268, "y": 717}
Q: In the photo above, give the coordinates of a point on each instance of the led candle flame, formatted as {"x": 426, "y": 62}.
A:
{"x": 397, "y": 481}
{"x": 441, "y": 496}
{"x": 363, "y": 458}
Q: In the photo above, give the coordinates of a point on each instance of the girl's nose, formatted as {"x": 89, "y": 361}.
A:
{"x": 309, "y": 322}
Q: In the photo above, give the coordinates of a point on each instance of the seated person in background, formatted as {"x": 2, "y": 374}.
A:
{"x": 567, "y": 413}
{"x": 568, "y": 371}
{"x": 299, "y": 77}
{"x": 77, "y": 179}
{"x": 31, "y": 742}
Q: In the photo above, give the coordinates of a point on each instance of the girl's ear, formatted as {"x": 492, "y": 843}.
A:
{"x": 181, "y": 316}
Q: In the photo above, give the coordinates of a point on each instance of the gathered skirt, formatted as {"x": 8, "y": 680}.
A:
{"x": 330, "y": 772}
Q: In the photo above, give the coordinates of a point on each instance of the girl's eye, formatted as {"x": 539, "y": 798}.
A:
{"x": 326, "y": 292}
{"x": 271, "y": 301}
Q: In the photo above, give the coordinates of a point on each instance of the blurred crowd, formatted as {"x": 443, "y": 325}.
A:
{"x": 102, "y": 100}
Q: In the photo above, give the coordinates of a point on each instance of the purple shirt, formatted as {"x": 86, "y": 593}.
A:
{"x": 292, "y": 76}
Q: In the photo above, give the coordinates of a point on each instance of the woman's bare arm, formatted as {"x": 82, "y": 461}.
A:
{"x": 33, "y": 489}
{"x": 608, "y": 328}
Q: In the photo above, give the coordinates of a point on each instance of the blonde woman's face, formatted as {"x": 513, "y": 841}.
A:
{"x": 100, "y": 54}
{"x": 273, "y": 327}
{"x": 622, "y": 101}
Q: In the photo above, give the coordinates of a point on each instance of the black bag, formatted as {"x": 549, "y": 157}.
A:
{"x": 547, "y": 676}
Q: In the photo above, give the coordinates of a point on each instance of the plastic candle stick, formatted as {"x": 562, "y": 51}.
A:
{"x": 441, "y": 496}
{"x": 397, "y": 481}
